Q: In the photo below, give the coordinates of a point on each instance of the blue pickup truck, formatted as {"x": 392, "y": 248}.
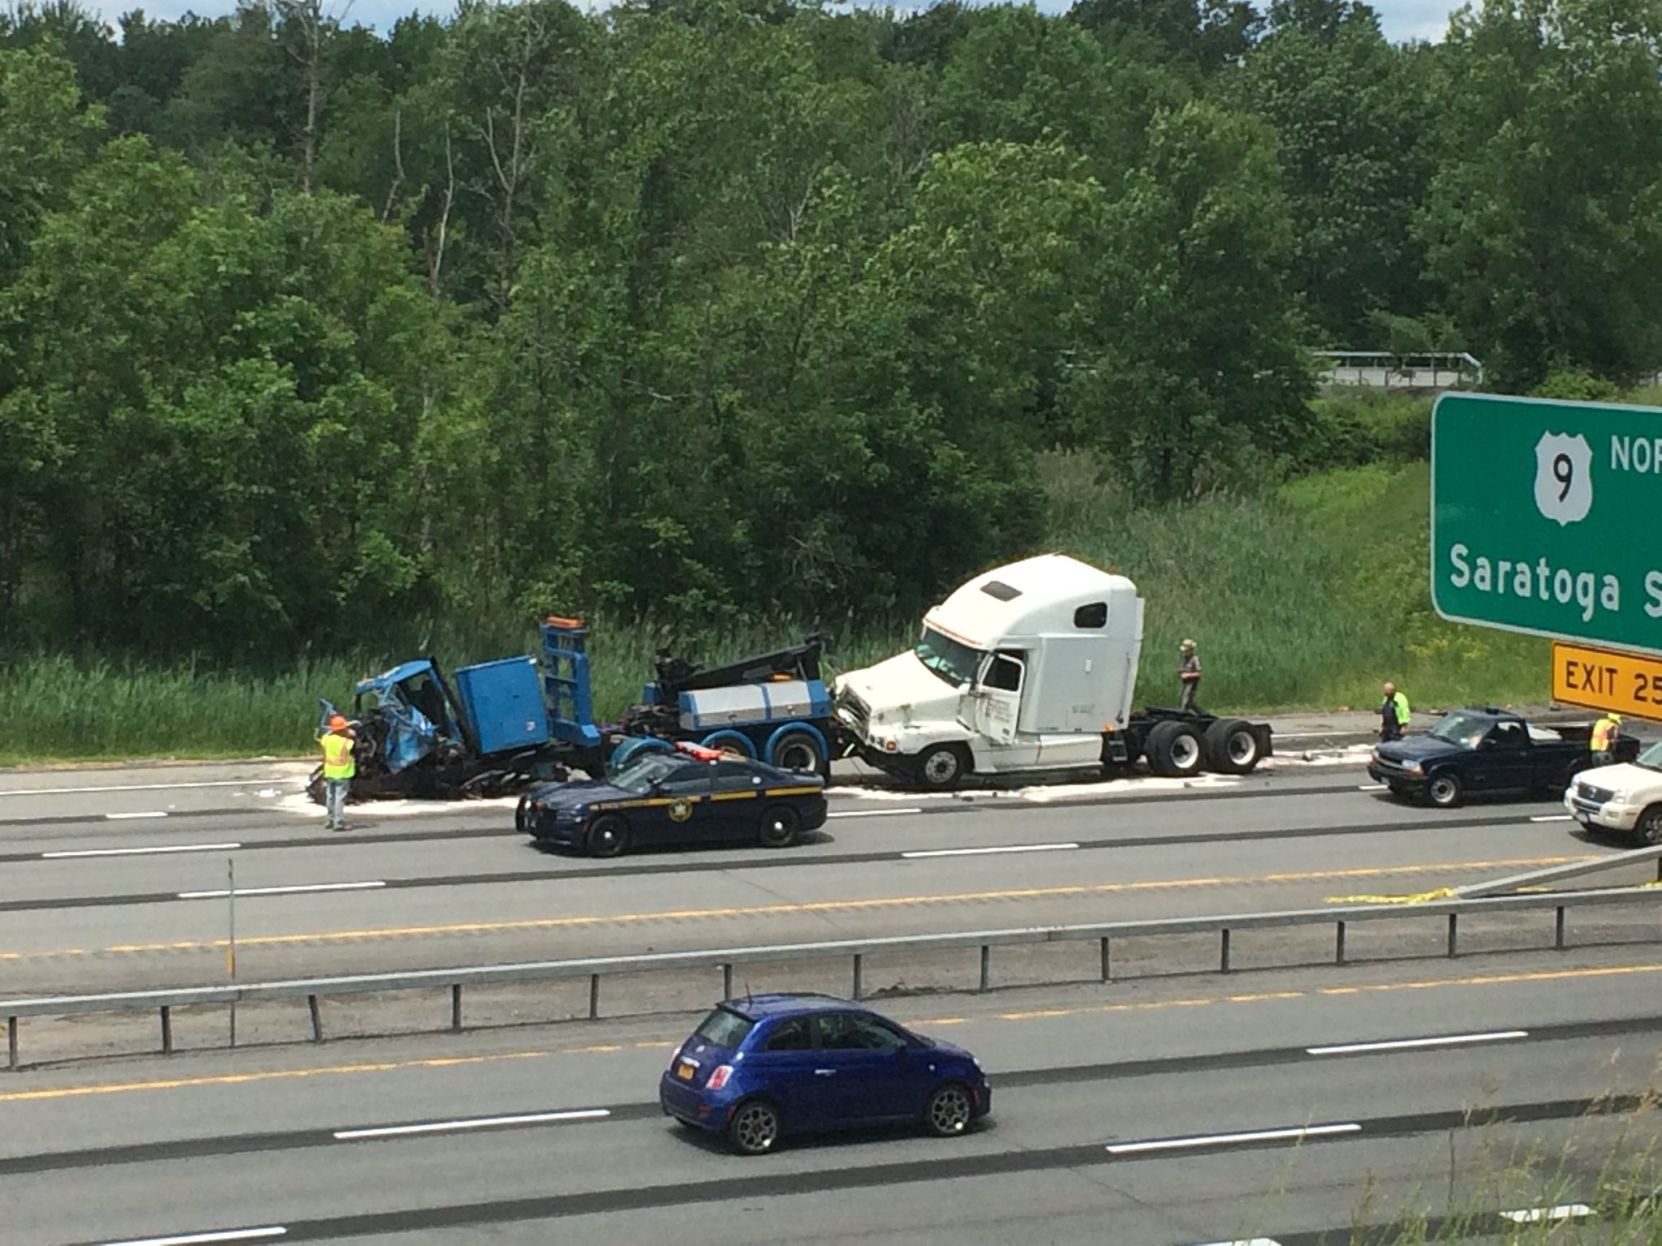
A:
{"x": 1487, "y": 750}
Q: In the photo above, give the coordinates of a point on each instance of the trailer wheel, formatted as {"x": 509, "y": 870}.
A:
{"x": 797, "y": 750}
{"x": 1175, "y": 750}
{"x": 1231, "y": 747}
{"x": 940, "y": 768}
{"x": 608, "y": 836}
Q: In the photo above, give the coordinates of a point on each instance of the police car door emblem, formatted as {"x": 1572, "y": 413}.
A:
{"x": 680, "y": 810}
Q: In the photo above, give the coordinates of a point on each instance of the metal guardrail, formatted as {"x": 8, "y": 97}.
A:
{"x": 313, "y": 990}
{"x": 1412, "y": 370}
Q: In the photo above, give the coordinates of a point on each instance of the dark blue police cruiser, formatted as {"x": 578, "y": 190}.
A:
{"x": 669, "y": 799}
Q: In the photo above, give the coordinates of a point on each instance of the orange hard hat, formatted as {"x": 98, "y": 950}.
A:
{"x": 338, "y": 722}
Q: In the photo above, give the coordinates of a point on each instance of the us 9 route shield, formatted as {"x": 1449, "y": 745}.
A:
{"x": 1545, "y": 518}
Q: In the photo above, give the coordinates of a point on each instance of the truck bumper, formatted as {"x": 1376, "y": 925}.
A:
{"x": 1397, "y": 780}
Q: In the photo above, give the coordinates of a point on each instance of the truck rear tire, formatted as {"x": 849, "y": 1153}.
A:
{"x": 1175, "y": 750}
{"x": 797, "y": 750}
{"x": 1231, "y": 747}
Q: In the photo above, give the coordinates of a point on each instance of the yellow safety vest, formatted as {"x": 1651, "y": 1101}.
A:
{"x": 337, "y": 757}
{"x": 1604, "y": 732}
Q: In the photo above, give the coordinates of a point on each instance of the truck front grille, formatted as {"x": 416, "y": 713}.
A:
{"x": 1598, "y": 795}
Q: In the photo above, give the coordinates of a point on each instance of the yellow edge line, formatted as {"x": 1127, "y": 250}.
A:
{"x": 1040, "y": 1014}
{"x": 786, "y": 909}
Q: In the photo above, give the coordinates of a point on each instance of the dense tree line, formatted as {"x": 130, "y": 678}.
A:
{"x": 696, "y": 307}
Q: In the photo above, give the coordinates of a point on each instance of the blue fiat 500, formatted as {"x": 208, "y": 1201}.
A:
{"x": 767, "y": 1065}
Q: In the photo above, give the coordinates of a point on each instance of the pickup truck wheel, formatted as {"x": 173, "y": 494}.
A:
{"x": 1175, "y": 750}
{"x": 1649, "y": 826}
{"x": 1444, "y": 790}
{"x": 941, "y": 767}
{"x": 608, "y": 836}
{"x": 1231, "y": 747}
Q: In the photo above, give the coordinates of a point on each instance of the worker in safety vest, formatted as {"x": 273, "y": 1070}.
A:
{"x": 1393, "y": 713}
{"x": 1605, "y": 731}
{"x": 338, "y": 768}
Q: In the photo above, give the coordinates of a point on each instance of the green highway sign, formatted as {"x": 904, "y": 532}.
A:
{"x": 1545, "y": 517}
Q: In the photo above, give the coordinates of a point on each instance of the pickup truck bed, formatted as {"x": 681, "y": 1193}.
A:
{"x": 1487, "y": 750}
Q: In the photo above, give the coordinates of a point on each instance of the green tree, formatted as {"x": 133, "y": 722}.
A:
{"x": 1544, "y": 220}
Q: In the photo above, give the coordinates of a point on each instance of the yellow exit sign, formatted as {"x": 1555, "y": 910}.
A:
{"x": 1601, "y": 680}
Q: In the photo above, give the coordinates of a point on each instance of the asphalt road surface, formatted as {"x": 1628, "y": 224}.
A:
{"x": 1169, "y": 1114}
{"x": 1178, "y": 1109}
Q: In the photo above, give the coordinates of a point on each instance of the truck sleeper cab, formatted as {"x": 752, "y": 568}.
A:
{"x": 1029, "y": 667}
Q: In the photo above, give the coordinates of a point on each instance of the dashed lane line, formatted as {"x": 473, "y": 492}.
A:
{"x": 873, "y": 904}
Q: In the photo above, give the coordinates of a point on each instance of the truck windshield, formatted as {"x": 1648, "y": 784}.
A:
{"x": 1466, "y": 730}
{"x": 1651, "y": 758}
{"x": 954, "y": 662}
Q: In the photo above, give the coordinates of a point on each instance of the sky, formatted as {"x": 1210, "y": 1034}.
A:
{"x": 1401, "y": 19}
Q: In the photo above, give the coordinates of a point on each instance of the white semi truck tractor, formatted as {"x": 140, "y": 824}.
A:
{"x": 1030, "y": 667}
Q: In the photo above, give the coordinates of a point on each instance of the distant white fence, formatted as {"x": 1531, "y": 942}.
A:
{"x": 1381, "y": 369}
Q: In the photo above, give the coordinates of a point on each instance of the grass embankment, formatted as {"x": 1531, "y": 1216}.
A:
{"x": 1305, "y": 596}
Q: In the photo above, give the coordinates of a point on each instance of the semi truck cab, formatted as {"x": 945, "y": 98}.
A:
{"x": 1024, "y": 668}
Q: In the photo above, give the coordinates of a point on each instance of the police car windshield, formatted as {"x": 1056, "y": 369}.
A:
{"x": 638, "y": 777}
{"x": 1460, "y": 728}
{"x": 1651, "y": 758}
{"x": 954, "y": 662}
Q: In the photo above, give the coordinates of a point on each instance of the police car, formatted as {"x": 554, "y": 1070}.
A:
{"x": 672, "y": 799}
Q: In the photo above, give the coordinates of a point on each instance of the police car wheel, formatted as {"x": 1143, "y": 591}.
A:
{"x": 779, "y": 826}
{"x": 608, "y": 836}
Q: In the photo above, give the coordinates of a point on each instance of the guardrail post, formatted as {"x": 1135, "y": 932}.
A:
{"x": 1453, "y": 932}
{"x": 11, "y": 1042}
{"x": 986, "y": 966}
{"x": 317, "y": 1019}
{"x": 726, "y": 981}
{"x": 1224, "y": 957}
{"x": 1107, "y": 964}
{"x": 857, "y": 967}
{"x": 456, "y": 1007}
{"x": 594, "y": 996}
{"x": 1558, "y": 929}
{"x": 1339, "y": 945}
{"x": 167, "y": 1030}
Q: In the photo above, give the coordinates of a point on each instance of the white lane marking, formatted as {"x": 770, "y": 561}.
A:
{"x": 1533, "y": 1215}
{"x": 131, "y": 787}
{"x": 480, "y": 1122}
{"x": 870, "y": 813}
{"x": 136, "y": 852}
{"x": 280, "y": 891}
{"x": 1246, "y": 1241}
{"x": 982, "y": 852}
{"x": 191, "y": 1239}
{"x": 1404, "y": 1044}
{"x": 1256, "y": 1135}
{"x": 1552, "y": 817}
{"x": 1370, "y": 787}
{"x": 124, "y": 817}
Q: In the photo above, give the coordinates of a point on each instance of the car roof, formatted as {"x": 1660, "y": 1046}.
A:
{"x": 780, "y": 1004}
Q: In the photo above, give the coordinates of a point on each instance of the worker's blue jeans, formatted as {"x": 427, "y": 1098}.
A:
{"x": 334, "y": 801}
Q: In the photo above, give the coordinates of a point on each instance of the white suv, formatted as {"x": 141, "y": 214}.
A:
{"x": 1625, "y": 797}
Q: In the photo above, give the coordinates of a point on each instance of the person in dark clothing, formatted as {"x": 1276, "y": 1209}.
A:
{"x": 1189, "y": 673}
{"x": 1393, "y": 713}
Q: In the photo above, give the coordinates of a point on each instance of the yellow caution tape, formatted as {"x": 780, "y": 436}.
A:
{"x": 1441, "y": 893}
